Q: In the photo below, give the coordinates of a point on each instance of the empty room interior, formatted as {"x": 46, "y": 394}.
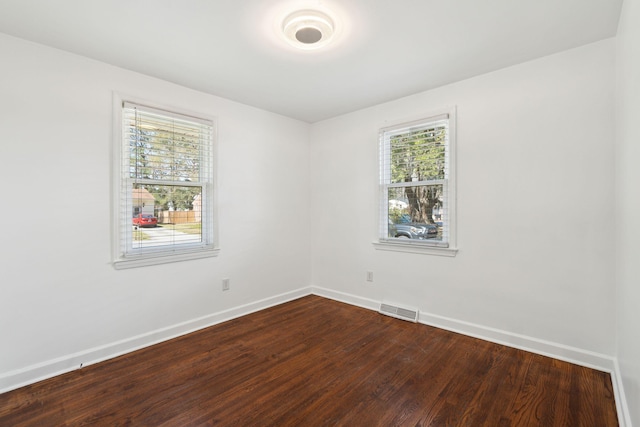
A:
{"x": 306, "y": 212}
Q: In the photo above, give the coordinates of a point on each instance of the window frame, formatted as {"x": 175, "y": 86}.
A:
{"x": 427, "y": 247}
{"x": 122, "y": 230}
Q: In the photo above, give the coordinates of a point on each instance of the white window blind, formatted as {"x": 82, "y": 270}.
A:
{"x": 416, "y": 182}
{"x": 166, "y": 186}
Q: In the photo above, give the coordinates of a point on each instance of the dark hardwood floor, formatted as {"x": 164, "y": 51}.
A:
{"x": 317, "y": 362}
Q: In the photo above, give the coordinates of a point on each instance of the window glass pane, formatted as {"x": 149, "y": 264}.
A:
{"x": 166, "y": 149}
{"x": 418, "y": 155}
{"x": 166, "y": 215}
{"x": 416, "y": 212}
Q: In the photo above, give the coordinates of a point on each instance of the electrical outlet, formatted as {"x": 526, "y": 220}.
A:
{"x": 225, "y": 284}
{"x": 369, "y": 276}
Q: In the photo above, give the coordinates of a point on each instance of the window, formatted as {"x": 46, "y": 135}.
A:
{"x": 164, "y": 192}
{"x": 417, "y": 186}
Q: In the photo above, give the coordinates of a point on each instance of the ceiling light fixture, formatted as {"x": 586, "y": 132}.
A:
{"x": 308, "y": 29}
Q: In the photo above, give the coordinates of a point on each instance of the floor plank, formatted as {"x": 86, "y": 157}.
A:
{"x": 318, "y": 362}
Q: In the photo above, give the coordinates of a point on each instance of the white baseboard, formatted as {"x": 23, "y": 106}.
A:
{"x": 624, "y": 416}
{"x": 558, "y": 351}
{"x": 563, "y": 352}
{"x": 41, "y": 371}
{"x": 346, "y": 298}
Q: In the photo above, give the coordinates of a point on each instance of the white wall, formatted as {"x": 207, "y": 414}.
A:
{"x": 628, "y": 204}
{"x": 60, "y": 298}
{"x": 535, "y": 203}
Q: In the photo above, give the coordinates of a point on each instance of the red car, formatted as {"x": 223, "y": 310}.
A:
{"x": 145, "y": 220}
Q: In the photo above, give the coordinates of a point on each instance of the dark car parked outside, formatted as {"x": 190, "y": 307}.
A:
{"x": 406, "y": 229}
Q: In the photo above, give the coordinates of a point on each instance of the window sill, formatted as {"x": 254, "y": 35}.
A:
{"x": 415, "y": 248}
{"x": 122, "y": 264}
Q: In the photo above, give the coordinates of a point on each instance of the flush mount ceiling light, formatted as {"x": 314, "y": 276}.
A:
{"x": 308, "y": 29}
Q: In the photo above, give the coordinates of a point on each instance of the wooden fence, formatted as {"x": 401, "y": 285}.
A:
{"x": 178, "y": 217}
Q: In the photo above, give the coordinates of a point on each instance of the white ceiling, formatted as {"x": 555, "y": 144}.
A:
{"x": 387, "y": 48}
